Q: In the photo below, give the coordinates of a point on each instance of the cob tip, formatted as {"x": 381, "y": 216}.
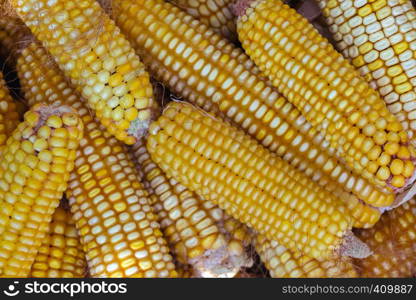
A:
{"x": 44, "y": 111}
{"x": 139, "y": 128}
{"x": 405, "y": 194}
{"x": 240, "y": 6}
{"x": 354, "y": 247}
{"x": 220, "y": 263}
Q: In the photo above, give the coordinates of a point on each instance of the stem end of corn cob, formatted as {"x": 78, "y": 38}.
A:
{"x": 405, "y": 195}
{"x": 220, "y": 263}
{"x": 138, "y": 128}
{"x": 354, "y": 247}
{"x": 46, "y": 111}
{"x": 239, "y": 7}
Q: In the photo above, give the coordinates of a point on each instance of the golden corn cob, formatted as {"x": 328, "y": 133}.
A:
{"x": 34, "y": 170}
{"x": 118, "y": 230}
{"x": 61, "y": 254}
{"x": 197, "y": 64}
{"x": 97, "y": 58}
{"x": 393, "y": 241}
{"x": 227, "y": 167}
{"x": 215, "y": 13}
{"x": 284, "y": 263}
{"x": 190, "y": 226}
{"x": 379, "y": 38}
{"x": 9, "y": 118}
{"x": 327, "y": 90}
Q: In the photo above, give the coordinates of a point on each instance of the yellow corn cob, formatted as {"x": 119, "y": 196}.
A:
{"x": 215, "y": 13}
{"x": 117, "y": 226}
{"x": 200, "y": 66}
{"x": 61, "y": 254}
{"x": 97, "y": 58}
{"x": 9, "y": 118}
{"x": 379, "y": 38}
{"x": 34, "y": 170}
{"x": 328, "y": 91}
{"x": 189, "y": 225}
{"x": 283, "y": 263}
{"x": 227, "y": 167}
{"x": 393, "y": 241}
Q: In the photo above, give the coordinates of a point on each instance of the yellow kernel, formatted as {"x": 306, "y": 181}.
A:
{"x": 117, "y": 114}
{"x": 127, "y": 101}
{"x": 45, "y": 156}
{"x": 381, "y": 124}
{"x": 369, "y": 130}
{"x": 383, "y": 173}
{"x": 396, "y": 166}
{"x": 384, "y": 159}
{"x": 403, "y": 153}
{"x": 408, "y": 169}
{"x": 374, "y": 153}
{"x": 398, "y": 181}
{"x": 391, "y": 148}
{"x": 380, "y": 138}
{"x": 70, "y": 119}
{"x": 54, "y": 122}
{"x": 44, "y": 132}
{"x": 131, "y": 114}
{"x": 32, "y": 118}
{"x": 115, "y": 80}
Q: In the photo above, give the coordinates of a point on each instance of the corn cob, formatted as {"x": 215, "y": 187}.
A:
{"x": 34, "y": 170}
{"x": 97, "y": 58}
{"x": 200, "y": 66}
{"x": 283, "y": 263}
{"x": 393, "y": 241}
{"x": 225, "y": 166}
{"x": 9, "y": 118}
{"x": 61, "y": 254}
{"x": 215, "y": 13}
{"x": 191, "y": 226}
{"x": 328, "y": 91}
{"x": 111, "y": 209}
{"x": 379, "y": 38}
